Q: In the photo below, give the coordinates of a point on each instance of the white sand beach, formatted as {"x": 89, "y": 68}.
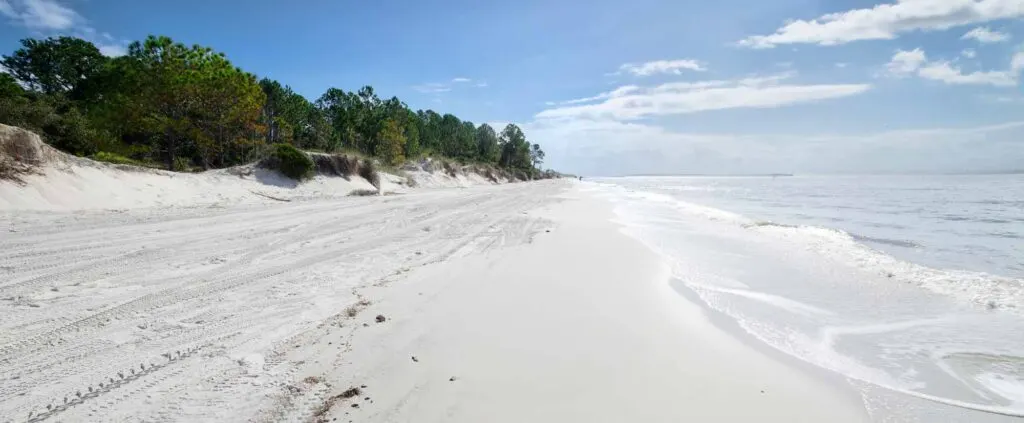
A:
{"x": 578, "y": 325}
{"x": 519, "y": 302}
{"x": 512, "y": 212}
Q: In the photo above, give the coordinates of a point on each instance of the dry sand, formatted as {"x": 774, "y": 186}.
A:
{"x": 511, "y": 303}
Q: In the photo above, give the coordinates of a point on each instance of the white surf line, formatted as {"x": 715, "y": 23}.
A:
{"x": 829, "y": 335}
{"x": 783, "y": 303}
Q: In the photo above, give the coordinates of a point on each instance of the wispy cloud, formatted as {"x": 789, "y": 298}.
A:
{"x": 443, "y": 87}
{"x": 53, "y": 17}
{"x": 618, "y": 92}
{"x": 632, "y": 103}
{"x": 906, "y": 62}
{"x": 915, "y": 62}
{"x": 968, "y": 53}
{"x": 984, "y": 35}
{"x": 674, "y": 67}
{"x": 886, "y": 21}
{"x": 40, "y": 14}
{"x": 951, "y": 74}
{"x": 1014, "y": 99}
{"x": 433, "y": 88}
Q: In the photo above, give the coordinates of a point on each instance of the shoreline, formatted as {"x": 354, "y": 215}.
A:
{"x": 593, "y": 338}
{"x": 727, "y": 324}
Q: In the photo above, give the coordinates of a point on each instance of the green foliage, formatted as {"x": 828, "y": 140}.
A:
{"x": 391, "y": 142}
{"x": 290, "y": 118}
{"x": 291, "y": 162}
{"x": 54, "y": 65}
{"x": 182, "y": 164}
{"x": 114, "y": 158}
{"x": 9, "y": 86}
{"x": 515, "y": 150}
{"x": 56, "y": 119}
{"x": 189, "y": 101}
{"x": 487, "y": 143}
{"x": 68, "y": 130}
{"x": 189, "y": 107}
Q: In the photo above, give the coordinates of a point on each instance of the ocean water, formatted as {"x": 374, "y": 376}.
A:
{"x": 909, "y": 287}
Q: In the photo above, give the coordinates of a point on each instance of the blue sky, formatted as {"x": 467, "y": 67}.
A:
{"x": 645, "y": 86}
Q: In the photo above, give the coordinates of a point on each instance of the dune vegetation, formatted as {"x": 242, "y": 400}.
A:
{"x": 165, "y": 104}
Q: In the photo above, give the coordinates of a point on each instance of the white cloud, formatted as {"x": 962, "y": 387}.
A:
{"x": 112, "y": 50}
{"x": 631, "y": 103}
{"x": 906, "y": 62}
{"x": 603, "y": 147}
{"x": 984, "y": 35}
{"x": 40, "y": 14}
{"x": 841, "y": 65}
{"x": 618, "y": 92}
{"x": 52, "y": 17}
{"x": 1017, "y": 62}
{"x": 951, "y": 74}
{"x": 968, "y": 53}
{"x": 674, "y": 67}
{"x": 443, "y": 87}
{"x": 7, "y": 10}
{"x": 915, "y": 62}
{"x": 433, "y": 88}
{"x": 482, "y": 84}
{"x": 886, "y": 21}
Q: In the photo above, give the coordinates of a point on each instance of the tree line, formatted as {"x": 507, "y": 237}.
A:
{"x": 189, "y": 107}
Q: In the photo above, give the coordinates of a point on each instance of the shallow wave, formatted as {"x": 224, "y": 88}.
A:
{"x": 784, "y": 303}
{"x": 1008, "y": 235}
{"x": 979, "y": 288}
{"x": 982, "y": 289}
{"x": 894, "y": 242}
{"x": 1013, "y": 203}
{"x": 831, "y": 337}
{"x": 770, "y": 223}
{"x": 864, "y": 238}
{"x": 998, "y": 374}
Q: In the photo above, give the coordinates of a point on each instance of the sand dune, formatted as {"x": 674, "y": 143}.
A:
{"x": 58, "y": 181}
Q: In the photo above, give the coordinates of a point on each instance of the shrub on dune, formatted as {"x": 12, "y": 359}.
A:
{"x": 291, "y": 162}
